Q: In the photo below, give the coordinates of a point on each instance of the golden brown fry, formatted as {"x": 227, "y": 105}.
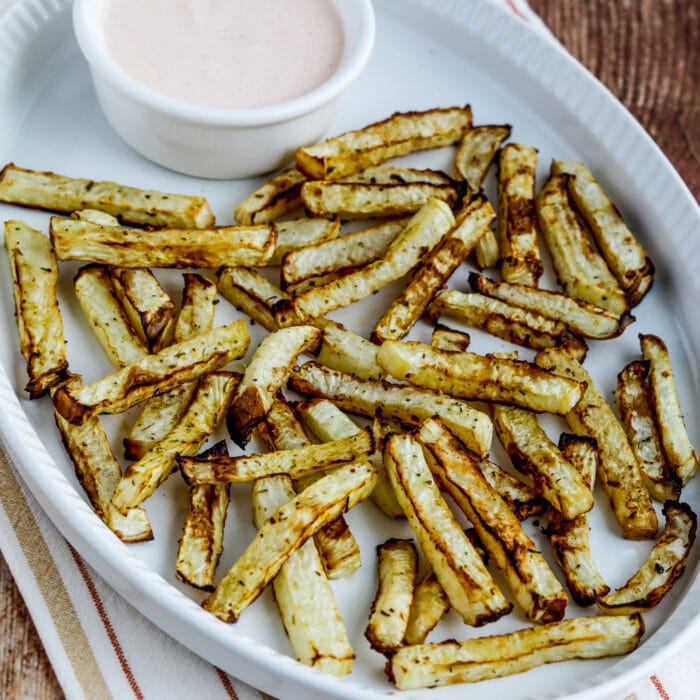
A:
{"x": 351, "y": 250}
{"x": 107, "y": 317}
{"x": 150, "y": 309}
{"x": 45, "y": 190}
{"x": 482, "y": 658}
{"x": 477, "y": 150}
{"x": 153, "y": 374}
{"x": 274, "y": 198}
{"x": 161, "y": 413}
{"x": 388, "y": 617}
{"x": 400, "y": 134}
{"x": 252, "y": 293}
{"x": 680, "y": 453}
{"x": 468, "y": 375}
{"x": 503, "y": 320}
{"x": 420, "y": 235}
{"x": 580, "y": 268}
{"x": 583, "y": 318}
{"x": 284, "y": 532}
{"x": 521, "y": 260}
{"x": 533, "y": 453}
{"x": 638, "y": 418}
{"x": 432, "y": 274}
{"x": 530, "y": 578}
{"x": 430, "y": 604}
{"x": 569, "y": 538}
{"x": 407, "y": 404}
{"x": 133, "y": 247}
{"x": 665, "y": 564}
{"x": 625, "y": 256}
{"x": 99, "y": 473}
{"x": 266, "y": 372}
{"x": 303, "y": 595}
{"x": 459, "y": 568}
{"x": 297, "y": 462}
{"x": 201, "y": 543}
{"x": 203, "y": 415}
{"x": 355, "y": 200}
{"x": 34, "y": 273}
{"x": 619, "y": 470}
{"x": 336, "y": 545}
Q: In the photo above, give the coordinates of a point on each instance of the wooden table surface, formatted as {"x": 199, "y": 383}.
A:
{"x": 645, "y": 52}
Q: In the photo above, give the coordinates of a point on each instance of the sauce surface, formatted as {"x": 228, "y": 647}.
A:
{"x": 227, "y": 54}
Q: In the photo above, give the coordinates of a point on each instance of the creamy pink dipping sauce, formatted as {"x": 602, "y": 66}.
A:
{"x": 227, "y": 54}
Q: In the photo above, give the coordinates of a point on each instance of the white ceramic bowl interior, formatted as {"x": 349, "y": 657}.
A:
{"x": 218, "y": 143}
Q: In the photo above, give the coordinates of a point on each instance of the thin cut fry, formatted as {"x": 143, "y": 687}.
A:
{"x": 665, "y": 564}
{"x": 201, "y": 543}
{"x": 680, "y": 453}
{"x": 430, "y": 604}
{"x": 533, "y": 453}
{"x": 153, "y": 374}
{"x": 133, "y": 247}
{"x": 521, "y": 260}
{"x": 473, "y": 660}
{"x": 354, "y": 200}
{"x": 503, "y": 320}
{"x": 468, "y": 375}
{"x": 99, "y": 473}
{"x": 471, "y": 222}
{"x": 398, "y": 135}
{"x": 34, "y": 277}
{"x": 388, "y": 618}
{"x": 297, "y": 462}
{"x": 32, "y": 188}
{"x": 284, "y": 532}
{"x": 351, "y": 250}
{"x": 569, "y": 538}
{"x": 583, "y": 318}
{"x": 106, "y": 316}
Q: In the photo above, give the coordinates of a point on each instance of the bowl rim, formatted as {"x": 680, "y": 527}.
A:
{"x": 355, "y": 57}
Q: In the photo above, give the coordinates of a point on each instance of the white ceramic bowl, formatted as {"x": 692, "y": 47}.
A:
{"x": 218, "y": 143}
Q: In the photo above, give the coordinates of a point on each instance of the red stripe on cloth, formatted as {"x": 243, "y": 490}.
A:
{"x": 226, "y": 682}
{"x": 659, "y": 688}
{"x": 111, "y": 634}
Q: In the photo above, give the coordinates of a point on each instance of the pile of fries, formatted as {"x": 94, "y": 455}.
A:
{"x": 434, "y": 419}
